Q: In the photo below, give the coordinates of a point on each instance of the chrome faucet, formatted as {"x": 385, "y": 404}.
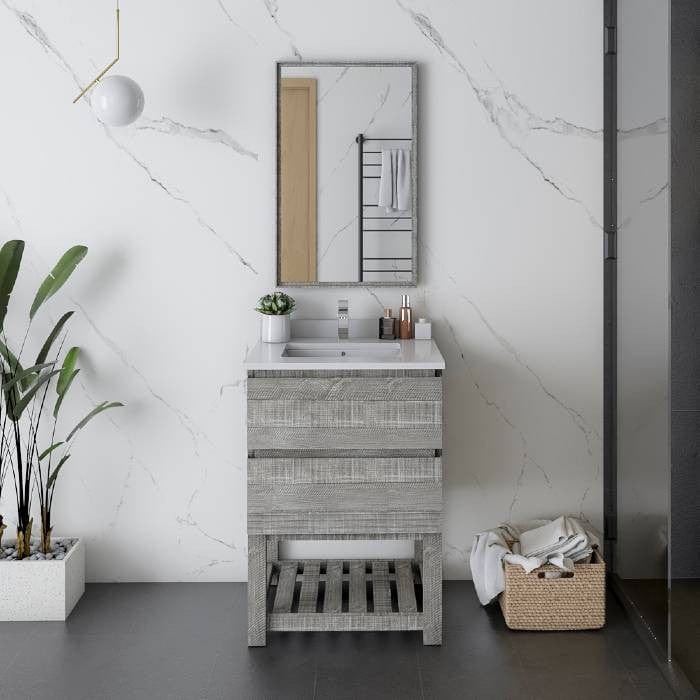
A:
{"x": 343, "y": 319}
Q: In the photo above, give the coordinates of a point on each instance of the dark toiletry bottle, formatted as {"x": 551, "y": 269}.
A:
{"x": 405, "y": 318}
{"x": 387, "y": 326}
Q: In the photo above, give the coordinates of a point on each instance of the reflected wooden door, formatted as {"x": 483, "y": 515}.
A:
{"x": 298, "y": 180}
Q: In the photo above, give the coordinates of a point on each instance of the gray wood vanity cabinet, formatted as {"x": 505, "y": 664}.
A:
{"x": 344, "y": 454}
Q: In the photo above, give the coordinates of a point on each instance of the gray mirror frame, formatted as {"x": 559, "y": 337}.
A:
{"x": 414, "y": 172}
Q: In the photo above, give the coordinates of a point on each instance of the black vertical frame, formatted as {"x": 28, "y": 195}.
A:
{"x": 610, "y": 279}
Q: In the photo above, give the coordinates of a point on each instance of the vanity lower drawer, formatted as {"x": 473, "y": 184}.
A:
{"x": 343, "y": 470}
{"x": 344, "y": 495}
{"x": 344, "y": 508}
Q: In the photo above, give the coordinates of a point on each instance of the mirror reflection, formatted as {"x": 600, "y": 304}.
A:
{"x": 346, "y": 174}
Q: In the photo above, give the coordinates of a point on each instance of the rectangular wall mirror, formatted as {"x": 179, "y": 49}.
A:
{"x": 347, "y": 174}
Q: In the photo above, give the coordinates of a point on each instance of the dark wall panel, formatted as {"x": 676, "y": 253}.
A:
{"x": 685, "y": 288}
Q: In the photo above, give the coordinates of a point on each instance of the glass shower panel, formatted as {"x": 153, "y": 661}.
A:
{"x": 643, "y": 452}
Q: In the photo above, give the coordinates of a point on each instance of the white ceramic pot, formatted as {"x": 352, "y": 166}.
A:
{"x": 274, "y": 329}
{"x": 42, "y": 590}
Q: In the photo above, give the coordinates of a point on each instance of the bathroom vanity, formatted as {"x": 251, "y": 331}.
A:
{"x": 344, "y": 442}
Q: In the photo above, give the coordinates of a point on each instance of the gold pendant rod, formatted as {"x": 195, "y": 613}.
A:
{"x": 99, "y": 77}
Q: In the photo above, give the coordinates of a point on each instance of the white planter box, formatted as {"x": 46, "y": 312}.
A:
{"x": 42, "y": 590}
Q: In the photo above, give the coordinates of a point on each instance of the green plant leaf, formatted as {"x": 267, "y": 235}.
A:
{"x": 58, "y": 276}
{"x": 44, "y": 352}
{"x": 11, "y": 400}
{"x": 98, "y": 409}
{"x": 62, "y": 395}
{"x": 275, "y": 304}
{"x": 9, "y": 357}
{"x": 49, "y": 450}
{"x": 26, "y": 398}
{"x": 10, "y": 259}
{"x": 21, "y": 376}
{"x": 54, "y": 473}
{"x": 67, "y": 369}
{"x": 14, "y": 366}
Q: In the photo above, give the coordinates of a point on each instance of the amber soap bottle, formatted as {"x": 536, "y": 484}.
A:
{"x": 405, "y": 318}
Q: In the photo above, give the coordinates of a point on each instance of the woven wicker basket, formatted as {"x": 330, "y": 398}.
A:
{"x": 574, "y": 602}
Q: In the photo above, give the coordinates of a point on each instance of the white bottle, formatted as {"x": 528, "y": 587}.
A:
{"x": 423, "y": 329}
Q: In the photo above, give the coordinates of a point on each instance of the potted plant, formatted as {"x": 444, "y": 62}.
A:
{"x": 275, "y": 309}
{"x": 41, "y": 579}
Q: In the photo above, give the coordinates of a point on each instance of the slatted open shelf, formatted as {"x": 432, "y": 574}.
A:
{"x": 350, "y": 595}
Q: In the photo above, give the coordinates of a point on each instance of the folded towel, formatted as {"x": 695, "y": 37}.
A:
{"x": 560, "y": 542}
{"x": 395, "y": 180}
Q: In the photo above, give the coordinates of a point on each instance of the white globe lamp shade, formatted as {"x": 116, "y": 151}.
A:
{"x": 117, "y": 100}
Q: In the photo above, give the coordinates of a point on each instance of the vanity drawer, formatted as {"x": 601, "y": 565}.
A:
{"x": 345, "y": 389}
{"x": 345, "y": 413}
{"x": 344, "y": 495}
{"x": 343, "y": 470}
{"x": 344, "y": 508}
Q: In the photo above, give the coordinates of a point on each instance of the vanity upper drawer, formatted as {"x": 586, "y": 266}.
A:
{"x": 345, "y": 389}
{"x": 345, "y": 413}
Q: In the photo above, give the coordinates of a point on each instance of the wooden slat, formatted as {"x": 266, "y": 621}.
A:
{"x": 346, "y": 389}
{"x": 335, "y": 453}
{"x": 344, "y": 622}
{"x": 405, "y": 589}
{"x": 309, "y": 587}
{"x": 340, "y": 523}
{"x": 357, "y": 587}
{"x": 386, "y": 438}
{"x": 346, "y": 470}
{"x": 380, "y": 587}
{"x": 343, "y": 414}
{"x": 333, "y": 599}
{"x": 285, "y": 587}
{"x": 288, "y": 498}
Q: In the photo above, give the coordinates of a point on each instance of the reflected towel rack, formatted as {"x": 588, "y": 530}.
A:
{"x": 361, "y": 139}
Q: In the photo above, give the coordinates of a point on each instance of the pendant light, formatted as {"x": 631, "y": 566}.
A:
{"x": 116, "y": 100}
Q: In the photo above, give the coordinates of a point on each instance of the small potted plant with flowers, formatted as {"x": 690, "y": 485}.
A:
{"x": 275, "y": 309}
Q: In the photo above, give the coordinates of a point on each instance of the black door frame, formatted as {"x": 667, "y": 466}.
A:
{"x": 610, "y": 281}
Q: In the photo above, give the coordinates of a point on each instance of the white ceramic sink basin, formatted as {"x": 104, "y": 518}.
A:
{"x": 353, "y": 350}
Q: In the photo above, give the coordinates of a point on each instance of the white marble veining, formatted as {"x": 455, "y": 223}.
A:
{"x": 178, "y": 211}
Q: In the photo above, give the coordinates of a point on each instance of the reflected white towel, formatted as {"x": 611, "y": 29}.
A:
{"x": 395, "y": 181}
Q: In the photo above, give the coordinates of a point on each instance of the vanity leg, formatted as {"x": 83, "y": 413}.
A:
{"x": 273, "y": 548}
{"x": 432, "y": 589}
{"x": 257, "y": 585}
{"x": 418, "y": 551}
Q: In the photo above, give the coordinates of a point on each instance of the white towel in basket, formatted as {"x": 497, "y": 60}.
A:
{"x": 561, "y": 542}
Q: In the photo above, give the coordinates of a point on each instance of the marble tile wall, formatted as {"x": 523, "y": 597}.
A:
{"x": 178, "y": 211}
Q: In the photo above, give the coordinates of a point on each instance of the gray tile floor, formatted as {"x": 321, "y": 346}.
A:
{"x": 188, "y": 641}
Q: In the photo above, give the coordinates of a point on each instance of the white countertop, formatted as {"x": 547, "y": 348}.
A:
{"x": 413, "y": 354}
